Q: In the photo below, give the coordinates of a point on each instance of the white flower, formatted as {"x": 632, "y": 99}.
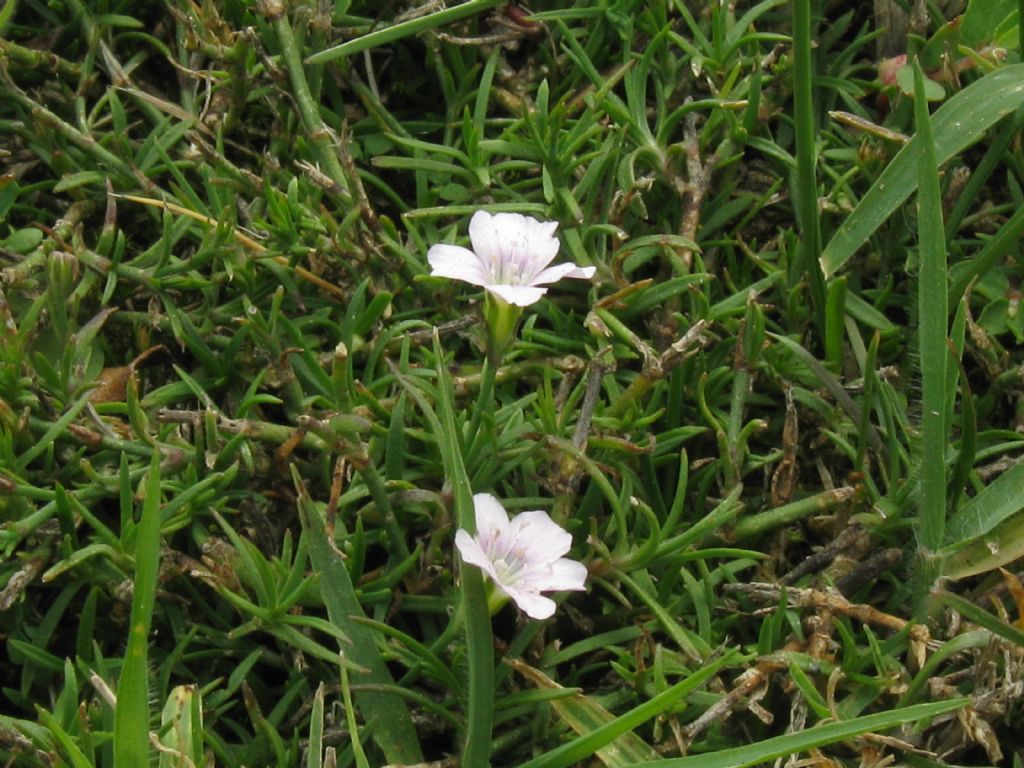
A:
{"x": 510, "y": 257}
{"x": 523, "y": 555}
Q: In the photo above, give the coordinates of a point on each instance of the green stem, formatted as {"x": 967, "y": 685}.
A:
{"x": 33, "y": 59}
{"x": 482, "y": 424}
{"x": 454, "y": 625}
{"x": 309, "y": 111}
{"x": 479, "y": 639}
{"x": 806, "y": 191}
{"x": 45, "y": 118}
{"x": 757, "y": 525}
{"x": 379, "y": 493}
{"x": 480, "y": 653}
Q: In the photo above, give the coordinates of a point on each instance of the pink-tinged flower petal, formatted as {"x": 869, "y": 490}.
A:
{"x": 567, "y": 574}
{"x": 511, "y": 257}
{"x": 491, "y": 517}
{"x": 556, "y": 575}
{"x": 557, "y": 272}
{"x": 540, "y": 536}
{"x": 533, "y": 604}
{"x": 522, "y": 556}
{"x": 519, "y": 295}
{"x": 472, "y": 553}
{"x": 457, "y": 263}
{"x": 483, "y": 234}
{"x": 532, "y": 241}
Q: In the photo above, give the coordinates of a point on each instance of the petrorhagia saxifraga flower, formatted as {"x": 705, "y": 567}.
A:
{"x": 510, "y": 257}
{"x": 523, "y": 556}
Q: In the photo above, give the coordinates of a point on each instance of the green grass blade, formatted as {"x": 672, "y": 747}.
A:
{"x": 835, "y": 318}
{"x": 586, "y": 716}
{"x": 981, "y": 617}
{"x": 318, "y": 134}
{"x": 59, "y": 427}
{"x": 315, "y": 750}
{"x": 805, "y": 190}
{"x": 932, "y": 316}
{"x": 479, "y": 642}
{"x": 75, "y": 755}
{"x": 602, "y": 735}
{"x": 402, "y": 30}
{"x": 977, "y": 638}
{"x": 999, "y": 500}
{"x": 392, "y": 724}
{"x": 131, "y": 719}
{"x": 811, "y": 738}
{"x": 967, "y": 424}
{"x": 181, "y": 728}
{"x": 350, "y": 721}
{"x": 1002, "y": 545}
{"x": 995, "y": 158}
{"x": 957, "y": 124}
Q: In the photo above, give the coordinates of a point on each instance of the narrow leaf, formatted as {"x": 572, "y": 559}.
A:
{"x": 585, "y": 716}
{"x": 791, "y": 743}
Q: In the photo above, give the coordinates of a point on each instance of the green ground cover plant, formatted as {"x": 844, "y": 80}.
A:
{"x": 284, "y": 482}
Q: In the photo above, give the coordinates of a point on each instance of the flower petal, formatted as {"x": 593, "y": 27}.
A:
{"x": 536, "y": 238}
{"x": 539, "y": 538}
{"x": 457, "y": 263}
{"x": 522, "y": 556}
{"x": 519, "y": 295}
{"x": 566, "y": 574}
{"x": 491, "y": 517}
{"x": 534, "y": 605}
{"x": 557, "y": 272}
{"x": 473, "y": 553}
{"x": 483, "y": 234}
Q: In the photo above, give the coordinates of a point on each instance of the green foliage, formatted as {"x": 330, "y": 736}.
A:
{"x": 240, "y": 423}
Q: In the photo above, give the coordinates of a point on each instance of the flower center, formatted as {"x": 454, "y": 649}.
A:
{"x": 514, "y": 264}
{"x": 509, "y": 566}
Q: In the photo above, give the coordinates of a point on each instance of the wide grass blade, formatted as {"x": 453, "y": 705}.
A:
{"x": 1000, "y": 499}
{"x": 805, "y": 186}
{"x": 181, "y": 728}
{"x": 392, "y": 725}
{"x": 607, "y": 731}
{"x": 587, "y": 717}
{"x": 811, "y": 738}
{"x": 932, "y": 318}
{"x": 131, "y": 718}
{"x": 981, "y": 617}
{"x": 1000, "y": 546}
{"x": 956, "y": 125}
